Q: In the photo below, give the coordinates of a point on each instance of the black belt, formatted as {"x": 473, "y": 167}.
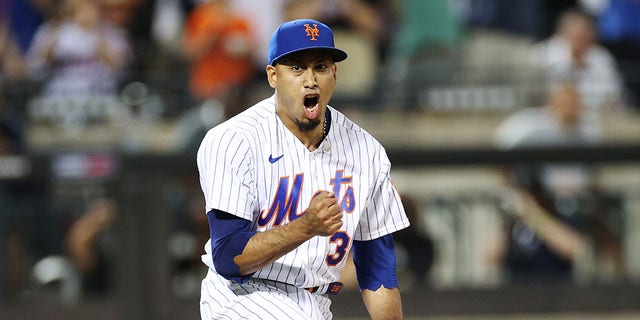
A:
{"x": 333, "y": 288}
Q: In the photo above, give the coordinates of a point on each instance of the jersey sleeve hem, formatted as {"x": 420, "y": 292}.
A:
{"x": 381, "y": 233}
{"x": 234, "y": 211}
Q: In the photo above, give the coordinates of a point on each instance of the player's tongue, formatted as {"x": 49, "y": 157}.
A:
{"x": 311, "y": 109}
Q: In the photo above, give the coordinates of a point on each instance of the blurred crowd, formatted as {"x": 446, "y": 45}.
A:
{"x": 70, "y": 61}
{"x": 206, "y": 59}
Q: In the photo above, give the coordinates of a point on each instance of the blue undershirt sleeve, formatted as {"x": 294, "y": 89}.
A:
{"x": 229, "y": 235}
{"x": 375, "y": 262}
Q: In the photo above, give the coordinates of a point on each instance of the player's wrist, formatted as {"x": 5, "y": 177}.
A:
{"x": 303, "y": 226}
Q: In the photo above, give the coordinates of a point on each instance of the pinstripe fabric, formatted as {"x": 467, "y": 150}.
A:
{"x": 260, "y": 299}
{"x": 237, "y": 176}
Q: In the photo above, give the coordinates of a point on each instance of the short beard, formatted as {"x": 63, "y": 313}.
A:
{"x": 308, "y": 125}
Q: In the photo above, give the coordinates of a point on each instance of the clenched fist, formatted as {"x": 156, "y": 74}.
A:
{"x": 323, "y": 216}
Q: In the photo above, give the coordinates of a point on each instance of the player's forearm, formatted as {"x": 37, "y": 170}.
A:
{"x": 383, "y": 304}
{"x": 323, "y": 217}
{"x": 266, "y": 247}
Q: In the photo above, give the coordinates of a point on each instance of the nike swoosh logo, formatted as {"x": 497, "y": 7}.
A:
{"x": 273, "y": 160}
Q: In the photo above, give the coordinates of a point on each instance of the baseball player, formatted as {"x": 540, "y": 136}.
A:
{"x": 291, "y": 187}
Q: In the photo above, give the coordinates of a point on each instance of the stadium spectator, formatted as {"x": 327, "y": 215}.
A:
{"x": 80, "y": 54}
{"x": 558, "y": 209}
{"x": 423, "y": 52}
{"x": 573, "y": 51}
{"x": 560, "y": 121}
{"x": 218, "y": 44}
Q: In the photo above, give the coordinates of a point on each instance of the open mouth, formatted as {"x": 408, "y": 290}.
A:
{"x": 311, "y": 109}
{"x": 311, "y": 100}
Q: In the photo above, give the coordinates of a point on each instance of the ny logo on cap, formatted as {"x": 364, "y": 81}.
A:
{"x": 312, "y": 32}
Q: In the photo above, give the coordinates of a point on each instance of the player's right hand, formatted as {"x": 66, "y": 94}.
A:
{"x": 323, "y": 216}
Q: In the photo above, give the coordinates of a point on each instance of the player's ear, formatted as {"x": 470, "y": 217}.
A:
{"x": 272, "y": 77}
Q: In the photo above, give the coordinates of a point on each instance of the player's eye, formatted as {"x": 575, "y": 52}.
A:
{"x": 296, "y": 68}
{"x": 323, "y": 66}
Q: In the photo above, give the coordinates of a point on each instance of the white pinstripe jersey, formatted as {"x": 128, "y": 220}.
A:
{"x": 253, "y": 167}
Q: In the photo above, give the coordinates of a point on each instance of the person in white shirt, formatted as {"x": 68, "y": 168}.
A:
{"x": 573, "y": 52}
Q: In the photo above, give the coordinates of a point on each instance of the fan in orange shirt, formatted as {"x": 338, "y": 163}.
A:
{"x": 218, "y": 44}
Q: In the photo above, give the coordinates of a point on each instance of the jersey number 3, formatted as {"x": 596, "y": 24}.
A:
{"x": 341, "y": 240}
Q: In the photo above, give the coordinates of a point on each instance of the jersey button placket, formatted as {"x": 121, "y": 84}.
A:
{"x": 312, "y": 168}
{"x": 313, "y": 159}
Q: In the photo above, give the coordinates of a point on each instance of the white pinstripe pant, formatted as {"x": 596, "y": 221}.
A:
{"x": 259, "y": 299}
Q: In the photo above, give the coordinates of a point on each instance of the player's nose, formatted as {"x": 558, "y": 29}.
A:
{"x": 310, "y": 78}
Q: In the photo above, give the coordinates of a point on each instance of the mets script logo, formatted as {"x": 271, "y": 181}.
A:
{"x": 312, "y": 32}
{"x": 284, "y": 207}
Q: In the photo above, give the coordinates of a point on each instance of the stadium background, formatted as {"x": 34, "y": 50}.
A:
{"x": 433, "y": 91}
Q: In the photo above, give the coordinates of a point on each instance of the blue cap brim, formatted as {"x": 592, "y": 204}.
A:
{"x": 337, "y": 54}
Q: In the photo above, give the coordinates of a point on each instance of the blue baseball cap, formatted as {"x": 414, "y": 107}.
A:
{"x": 302, "y": 34}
